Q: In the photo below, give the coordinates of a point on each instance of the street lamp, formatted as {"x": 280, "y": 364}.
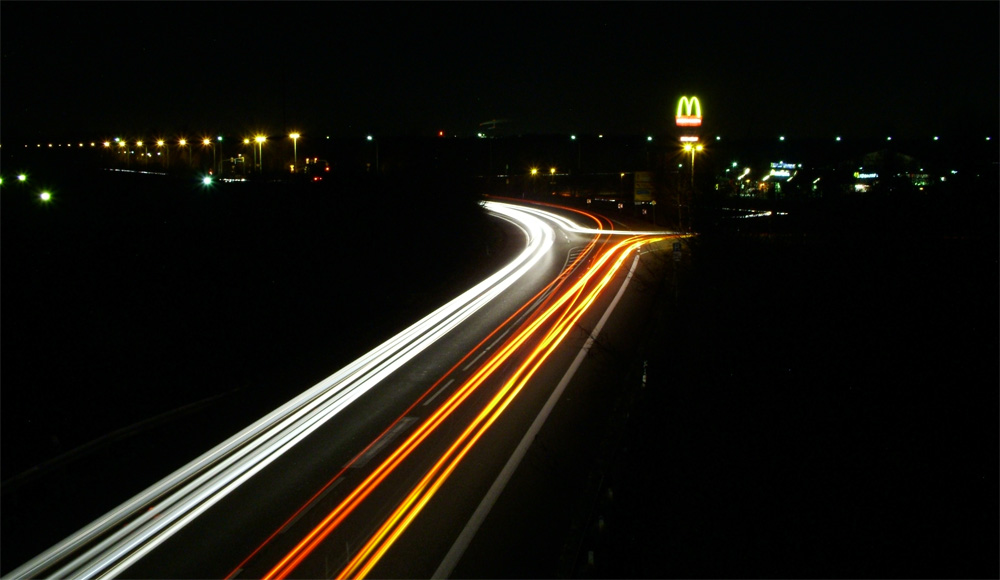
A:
{"x": 260, "y": 144}
{"x": 692, "y": 149}
{"x": 246, "y": 141}
{"x": 295, "y": 152}
{"x": 206, "y": 141}
{"x": 221, "y": 155}
{"x": 160, "y": 143}
{"x": 370, "y": 138}
{"x": 182, "y": 143}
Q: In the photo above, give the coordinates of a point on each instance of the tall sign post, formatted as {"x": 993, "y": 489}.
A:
{"x": 688, "y": 117}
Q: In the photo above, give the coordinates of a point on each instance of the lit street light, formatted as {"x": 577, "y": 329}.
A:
{"x": 370, "y": 138}
{"x": 161, "y": 143}
{"x": 206, "y": 141}
{"x": 295, "y": 152}
{"x": 252, "y": 148}
{"x": 182, "y": 143}
{"x": 260, "y": 144}
{"x": 692, "y": 149}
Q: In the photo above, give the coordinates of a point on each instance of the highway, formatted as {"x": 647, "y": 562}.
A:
{"x": 387, "y": 467}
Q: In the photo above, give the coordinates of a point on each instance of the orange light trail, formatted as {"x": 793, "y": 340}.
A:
{"x": 555, "y": 284}
{"x": 563, "y": 314}
{"x": 438, "y": 474}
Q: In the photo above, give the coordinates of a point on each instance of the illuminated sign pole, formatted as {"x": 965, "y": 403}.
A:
{"x": 688, "y": 115}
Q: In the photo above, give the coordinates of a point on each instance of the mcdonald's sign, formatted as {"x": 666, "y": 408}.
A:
{"x": 685, "y": 108}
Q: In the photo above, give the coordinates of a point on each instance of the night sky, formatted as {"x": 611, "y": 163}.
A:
{"x": 85, "y": 69}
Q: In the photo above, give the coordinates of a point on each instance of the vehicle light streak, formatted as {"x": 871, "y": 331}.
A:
{"x": 542, "y": 293}
{"x": 562, "y": 315}
{"x": 112, "y": 543}
{"x": 379, "y": 544}
{"x": 570, "y": 226}
{"x": 123, "y": 535}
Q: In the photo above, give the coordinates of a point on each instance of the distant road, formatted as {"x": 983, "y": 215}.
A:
{"x": 385, "y": 467}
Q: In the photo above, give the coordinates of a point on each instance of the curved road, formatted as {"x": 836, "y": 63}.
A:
{"x": 387, "y": 467}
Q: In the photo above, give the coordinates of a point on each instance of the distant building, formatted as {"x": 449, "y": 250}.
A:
{"x": 884, "y": 170}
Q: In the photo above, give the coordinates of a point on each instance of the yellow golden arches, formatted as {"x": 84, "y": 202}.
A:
{"x": 685, "y": 107}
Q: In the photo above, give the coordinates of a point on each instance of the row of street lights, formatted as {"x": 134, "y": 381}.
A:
{"x": 257, "y": 141}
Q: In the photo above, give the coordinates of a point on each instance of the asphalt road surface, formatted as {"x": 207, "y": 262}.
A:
{"x": 380, "y": 469}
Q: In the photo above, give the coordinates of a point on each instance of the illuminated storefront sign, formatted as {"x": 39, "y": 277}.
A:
{"x": 865, "y": 175}
{"x": 688, "y": 112}
{"x": 689, "y": 139}
{"x": 782, "y": 165}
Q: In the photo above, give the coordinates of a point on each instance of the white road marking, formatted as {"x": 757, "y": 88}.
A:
{"x": 438, "y": 392}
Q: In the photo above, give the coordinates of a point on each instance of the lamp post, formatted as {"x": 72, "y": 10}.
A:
{"x": 295, "y": 152}
{"x": 183, "y": 143}
{"x": 221, "y": 155}
{"x": 260, "y": 144}
{"x": 159, "y": 144}
{"x": 370, "y": 138}
{"x": 206, "y": 141}
{"x": 692, "y": 149}
{"x": 246, "y": 141}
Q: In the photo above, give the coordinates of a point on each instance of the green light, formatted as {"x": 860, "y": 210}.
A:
{"x": 207, "y": 180}
{"x": 22, "y": 178}
{"x": 45, "y": 196}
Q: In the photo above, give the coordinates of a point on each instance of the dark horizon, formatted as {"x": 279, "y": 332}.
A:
{"x": 806, "y": 70}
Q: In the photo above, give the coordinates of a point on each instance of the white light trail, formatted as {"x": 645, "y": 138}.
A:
{"x": 570, "y": 226}
{"x": 151, "y": 517}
